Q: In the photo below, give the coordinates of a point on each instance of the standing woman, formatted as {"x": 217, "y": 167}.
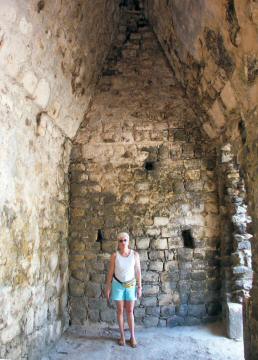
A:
{"x": 121, "y": 286}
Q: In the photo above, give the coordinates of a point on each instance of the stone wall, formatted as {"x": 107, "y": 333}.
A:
{"x": 236, "y": 257}
{"x": 212, "y": 47}
{"x": 50, "y": 57}
{"x": 141, "y": 163}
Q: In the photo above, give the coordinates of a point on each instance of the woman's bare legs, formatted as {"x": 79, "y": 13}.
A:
{"x": 129, "y": 306}
{"x": 120, "y": 318}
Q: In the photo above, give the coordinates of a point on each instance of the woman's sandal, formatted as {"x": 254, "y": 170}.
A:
{"x": 121, "y": 342}
{"x": 133, "y": 343}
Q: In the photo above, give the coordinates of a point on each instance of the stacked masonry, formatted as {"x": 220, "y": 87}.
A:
{"x": 138, "y": 165}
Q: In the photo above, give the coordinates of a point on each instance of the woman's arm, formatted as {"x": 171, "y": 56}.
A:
{"x": 110, "y": 275}
{"x": 138, "y": 273}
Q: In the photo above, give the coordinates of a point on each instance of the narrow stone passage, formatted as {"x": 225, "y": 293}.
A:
{"x": 136, "y": 116}
{"x": 181, "y": 343}
{"x": 139, "y": 164}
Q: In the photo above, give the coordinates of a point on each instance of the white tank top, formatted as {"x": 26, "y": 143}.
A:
{"x": 124, "y": 266}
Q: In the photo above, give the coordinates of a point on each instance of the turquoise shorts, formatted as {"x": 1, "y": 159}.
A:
{"x": 119, "y": 292}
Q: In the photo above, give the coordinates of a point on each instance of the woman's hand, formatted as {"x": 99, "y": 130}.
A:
{"x": 108, "y": 291}
{"x": 139, "y": 291}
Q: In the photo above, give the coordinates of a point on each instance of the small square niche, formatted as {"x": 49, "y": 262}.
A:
{"x": 149, "y": 165}
{"x": 188, "y": 239}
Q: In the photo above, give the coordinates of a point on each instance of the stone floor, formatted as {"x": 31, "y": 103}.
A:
{"x": 180, "y": 343}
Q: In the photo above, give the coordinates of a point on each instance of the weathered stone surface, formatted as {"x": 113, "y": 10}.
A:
{"x": 196, "y": 310}
{"x": 228, "y": 97}
{"x": 92, "y": 290}
{"x": 40, "y": 72}
{"x": 159, "y": 244}
{"x": 218, "y": 60}
{"x": 217, "y": 115}
{"x": 161, "y": 221}
{"x": 143, "y": 243}
{"x": 30, "y": 81}
{"x": 150, "y": 276}
{"x": 76, "y": 287}
{"x": 149, "y": 301}
{"x": 150, "y": 321}
{"x": 94, "y": 315}
{"x": 153, "y": 310}
{"x": 108, "y": 315}
{"x": 42, "y": 93}
{"x": 141, "y": 159}
{"x": 175, "y": 320}
{"x": 150, "y": 289}
{"x": 234, "y": 321}
{"x": 156, "y": 266}
{"x": 167, "y": 311}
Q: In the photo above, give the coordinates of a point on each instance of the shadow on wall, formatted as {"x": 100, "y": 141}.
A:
{"x": 141, "y": 164}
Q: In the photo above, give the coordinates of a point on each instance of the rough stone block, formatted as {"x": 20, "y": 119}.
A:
{"x": 150, "y": 321}
{"x": 153, "y": 310}
{"x": 167, "y": 311}
{"x": 165, "y": 299}
{"x": 167, "y": 287}
{"x": 198, "y": 275}
{"x": 143, "y": 243}
{"x": 93, "y": 290}
{"x": 98, "y": 278}
{"x": 185, "y": 254}
{"x": 178, "y": 187}
{"x": 109, "y": 246}
{"x": 156, "y": 255}
{"x": 192, "y": 185}
{"x": 153, "y": 232}
{"x": 197, "y": 297}
{"x": 139, "y": 312}
{"x": 161, "y": 221}
{"x": 142, "y": 186}
{"x": 197, "y": 310}
{"x": 108, "y": 315}
{"x": 175, "y": 320}
{"x": 234, "y": 318}
{"x": 143, "y": 256}
{"x": 150, "y": 289}
{"x": 168, "y": 232}
{"x": 93, "y": 315}
{"x": 97, "y": 304}
{"x": 179, "y": 135}
{"x": 142, "y": 200}
{"x": 149, "y": 301}
{"x": 171, "y": 266}
{"x": 193, "y": 174}
{"x": 10, "y": 332}
{"x": 150, "y": 276}
{"x": 191, "y": 320}
{"x": 182, "y": 310}
{"x": 162, "y": 323}
{"x": 159, "y": 244}
{"x": 156, "y": 266}
{"x": 170, "y": 255}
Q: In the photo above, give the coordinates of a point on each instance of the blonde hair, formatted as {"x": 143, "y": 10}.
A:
{"x": 123, "y": 235}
